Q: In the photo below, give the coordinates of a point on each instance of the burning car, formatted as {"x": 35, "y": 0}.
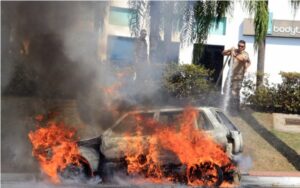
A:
{"x": 194, "y": 146}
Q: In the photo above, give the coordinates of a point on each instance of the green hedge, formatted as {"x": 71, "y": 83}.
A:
{"x": 192, "y": 82}
{"x": 282, "y": 98}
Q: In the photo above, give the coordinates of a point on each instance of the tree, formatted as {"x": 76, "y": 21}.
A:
{"x": 295, "y": 6}
{"x": 193, "y": 18}
{"x": 197, "y": 17}
{"x": 261, "y": 17}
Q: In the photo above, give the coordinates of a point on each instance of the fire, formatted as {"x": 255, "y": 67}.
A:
{"x": 54, "y": 146}
{"x": 112, "y": 89}
{"x": 161, "y": 153}
{"x": 121, "y": 77}
{"x": 201, "y": 158}
{"x": 25, "y": 45}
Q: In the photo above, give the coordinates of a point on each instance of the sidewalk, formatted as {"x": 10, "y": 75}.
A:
{"x": 270, "y": 179}
{"x": 252, "y": 179}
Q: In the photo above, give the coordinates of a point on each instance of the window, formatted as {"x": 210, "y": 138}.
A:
{"x": 174, "y": 119}
{"x": 120, "y": 50}
{"x": 119, "y": 16}
{"x": 218, "y": 29}
{"x": 171, "y": 119}
{"x": 203, "y": 122}
{"x": 221, "y": 117}
{"x": 133, "y": 122}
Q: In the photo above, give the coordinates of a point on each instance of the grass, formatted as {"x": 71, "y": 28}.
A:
{"x": 264, "y": 155}
{"x": 291, "y": 139}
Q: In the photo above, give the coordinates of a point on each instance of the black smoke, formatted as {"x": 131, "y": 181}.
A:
{"x": 49, "y": 57}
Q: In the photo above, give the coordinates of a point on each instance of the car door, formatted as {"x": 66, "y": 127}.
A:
{"x": 208, "y": 122}
{"x": 234, "y": 133}
{"x": 123, "y": 136}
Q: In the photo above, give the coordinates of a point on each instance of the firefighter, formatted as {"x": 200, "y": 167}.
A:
{"x": 141, "y": 55}
{"x": 241, "y": 63}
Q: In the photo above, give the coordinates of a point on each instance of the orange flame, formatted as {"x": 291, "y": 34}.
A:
{"x": 54, "y": 146}
{"x": 25, "y": 46}
{"x": 194, "y": 149}
{"x": 119, "y": 83}
{"x": 112, "y": 89}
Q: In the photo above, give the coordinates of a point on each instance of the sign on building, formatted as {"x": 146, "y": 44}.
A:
{"x": 276, "y": 28}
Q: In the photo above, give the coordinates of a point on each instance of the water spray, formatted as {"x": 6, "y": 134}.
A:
{"x": 228, "y": 84}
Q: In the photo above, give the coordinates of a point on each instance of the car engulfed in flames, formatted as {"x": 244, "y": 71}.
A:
{"x": 192, "y": 146}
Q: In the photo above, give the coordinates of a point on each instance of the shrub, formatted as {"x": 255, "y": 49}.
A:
{"x": 188, "y": 82}
{"x": 283, "y": 97}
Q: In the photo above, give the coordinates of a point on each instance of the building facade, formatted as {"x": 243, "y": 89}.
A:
{"x": 282, "y": 42}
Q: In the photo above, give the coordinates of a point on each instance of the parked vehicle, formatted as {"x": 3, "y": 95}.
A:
{"x": 104, "y": 153}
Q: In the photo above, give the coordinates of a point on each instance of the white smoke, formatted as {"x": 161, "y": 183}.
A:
{"x": 245, "y": 163}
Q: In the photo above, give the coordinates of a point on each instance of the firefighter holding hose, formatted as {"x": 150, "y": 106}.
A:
{"x": 240, "y": 63}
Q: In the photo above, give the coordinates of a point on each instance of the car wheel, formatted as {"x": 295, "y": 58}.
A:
{"x": 206, "y": 173}
{"x": 76, "y": 173}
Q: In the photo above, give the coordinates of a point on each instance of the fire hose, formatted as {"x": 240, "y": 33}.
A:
{"x": 224, "y": 65}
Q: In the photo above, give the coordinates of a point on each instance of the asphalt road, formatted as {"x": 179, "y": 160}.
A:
{"x": 247, "y": 180}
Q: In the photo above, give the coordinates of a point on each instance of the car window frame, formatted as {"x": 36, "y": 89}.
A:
{"x": 180, "y": 111}
{"x": 231, "y": 126}
{"x": 110, "y": 130}
{"x": 206, "y": 118}
{"x": 196, "y": 123}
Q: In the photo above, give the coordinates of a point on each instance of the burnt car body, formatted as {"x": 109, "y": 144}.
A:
{"x": 104, "y": 154}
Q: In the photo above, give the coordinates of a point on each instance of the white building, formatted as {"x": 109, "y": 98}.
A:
{"x": 282, "y": 53}
{"x": 282, "y": 45}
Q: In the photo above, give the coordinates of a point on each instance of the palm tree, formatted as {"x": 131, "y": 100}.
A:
{"x": 295, "y": 5}
{"x": 198, "y": 17}
{"x": 193, "y": 18}
{"x": 261, "y": 17}
{"x": 159, "y": 20}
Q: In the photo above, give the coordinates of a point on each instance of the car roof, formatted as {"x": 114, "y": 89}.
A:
{"x": 161, "y": 109}
{"x": 170, "y": 109}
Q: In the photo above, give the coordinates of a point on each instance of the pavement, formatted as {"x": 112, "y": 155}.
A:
{"x": 250, "y": 179}
{"x": 270, "y": 179}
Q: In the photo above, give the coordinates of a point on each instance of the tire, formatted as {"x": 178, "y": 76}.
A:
{"x": 76, "y": 173}
{"x": 206, "y": 174}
